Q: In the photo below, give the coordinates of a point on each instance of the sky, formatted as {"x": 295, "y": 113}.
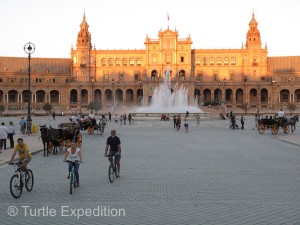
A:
{"x": 124, "y": 24}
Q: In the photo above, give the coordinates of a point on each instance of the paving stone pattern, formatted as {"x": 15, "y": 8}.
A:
{"x": 210, "y": 175}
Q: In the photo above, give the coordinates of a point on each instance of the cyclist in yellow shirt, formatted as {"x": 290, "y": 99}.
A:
{"x": 24, "y": 154}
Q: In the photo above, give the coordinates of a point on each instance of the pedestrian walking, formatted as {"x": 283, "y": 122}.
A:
{"x": 22, "y": 123}
{"x": 53, "y": 115}
{"x": 174, "y": 120}
{"x": 10, "y": 134}
{"x": 3, "y": 136}
{"x": 242, "y": 122}
{"x": 116, "y": 119}
{"x": 198, "y": 119}
{"x": 186, "y": 124}
{"x": 109, "y": 117}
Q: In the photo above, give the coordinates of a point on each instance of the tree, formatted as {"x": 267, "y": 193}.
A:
{"x": 47, "y": 107}
{"x": 245, "y": 107}
{"x": 1, "y": 109}
{"x": 94, "y": 106}
{"x": 291, "y": 106}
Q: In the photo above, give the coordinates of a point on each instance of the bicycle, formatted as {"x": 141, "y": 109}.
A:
{"x": 17, "y": 180}
{"x": 112, "y": 169}
{"x": 73, "y": 180}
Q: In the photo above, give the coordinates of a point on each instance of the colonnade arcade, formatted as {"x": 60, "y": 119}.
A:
{"x": 81, "y": 97}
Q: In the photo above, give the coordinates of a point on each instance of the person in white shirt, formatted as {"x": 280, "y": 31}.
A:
{"x": 91, "y": 115}
{"x": 280, "y": 114}
{"x": 73, "y": 155}
{"x": 3, "y": 136}
{"x": 10, "y": 134}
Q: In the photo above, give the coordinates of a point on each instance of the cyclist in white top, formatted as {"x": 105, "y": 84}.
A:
{"x": 73, "y": 155}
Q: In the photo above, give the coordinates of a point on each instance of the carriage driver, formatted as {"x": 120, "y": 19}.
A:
{"x": 92, "y": 117}
{"x": 280, "y": 115}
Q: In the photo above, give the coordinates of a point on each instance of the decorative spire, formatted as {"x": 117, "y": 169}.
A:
{"x": 253, "y": 34}
{"x": 84, "y": 36}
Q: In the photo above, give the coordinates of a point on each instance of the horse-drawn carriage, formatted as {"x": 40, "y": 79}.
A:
{"x": 275, "y": 124}
{"x": 92, "y": 124}
{"x": 61, "y": 137}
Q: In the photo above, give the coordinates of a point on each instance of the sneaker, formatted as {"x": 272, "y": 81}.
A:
{"x": 68, "y": 177}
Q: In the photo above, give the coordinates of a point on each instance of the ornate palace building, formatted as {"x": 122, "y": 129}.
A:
{"x": 231, "y": 77}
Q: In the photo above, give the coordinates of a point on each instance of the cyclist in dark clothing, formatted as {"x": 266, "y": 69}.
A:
{"x": 114, "y": 144}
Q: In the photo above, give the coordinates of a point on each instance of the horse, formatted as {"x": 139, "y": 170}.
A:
{"x": 292, "y": 122}
{"x": 45, "y": 136}
{"x": 101, "y": 124}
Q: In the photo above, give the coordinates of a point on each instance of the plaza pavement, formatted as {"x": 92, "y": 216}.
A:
{"x": 210, "y": 175}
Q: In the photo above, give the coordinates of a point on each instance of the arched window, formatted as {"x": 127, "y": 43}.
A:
{"x": 219, "y": 61}
{"x": 197, "y": 61}
{"x": 153, "y": 73}
{"x": 131, "y": 62}
{"x": 139, "y": 62}
{"x": 181, "y": 73}
{"x": 212, "y": 61}
{"x": 118, "y": 62}
{"x": 226, "y": 61}
{"x": 124, "y": 61}
{"x": 103, "y": 62}
{"x": 232, "y": 61}
{"x": 110, "y": 62}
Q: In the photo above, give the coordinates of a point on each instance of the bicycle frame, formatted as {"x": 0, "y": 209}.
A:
{"x": 73, "y": 180}
{"x": 112, "y": 169}
{"x": 20, "y": 179}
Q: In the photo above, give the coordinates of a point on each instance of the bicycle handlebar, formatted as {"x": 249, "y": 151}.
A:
{"x": 76, "y": 161}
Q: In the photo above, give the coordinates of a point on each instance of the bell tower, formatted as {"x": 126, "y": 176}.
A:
{"x": 81, "y": 56}
{"x": 255, "y": 58}
{"x": 253, "y": 36}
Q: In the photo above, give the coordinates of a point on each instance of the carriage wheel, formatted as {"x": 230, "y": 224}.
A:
{"x": 261, "y": 128}
{"x": 286, "y": 129}
{"x": 274, "y": 129}
{"x": 50, "y": 147}
{"x": 67, "y": 144}
{"x": 79, "y": 140}
{"x": 61, "y": 146}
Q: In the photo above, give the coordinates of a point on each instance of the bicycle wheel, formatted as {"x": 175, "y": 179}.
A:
{"x": 71, "y": 182}
{"x": 29, "y": 182}
{"x": 16, "y": 186}
{"x": 111, "y": 173}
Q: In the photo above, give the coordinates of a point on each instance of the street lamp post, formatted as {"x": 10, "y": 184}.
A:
{"x": 118, "y": 92}
{"x": 198, "y": 93}
{"x": 225, "y": 91}
{"x": 258, "y": 96}
{"x": 29, "y": 49}
{"x": 113, "y": 90}
{"x": 140, "y": 93}
{"x": 219, "y": 96}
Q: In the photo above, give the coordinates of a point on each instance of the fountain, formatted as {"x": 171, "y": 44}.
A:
{"x": 164, "y": 101}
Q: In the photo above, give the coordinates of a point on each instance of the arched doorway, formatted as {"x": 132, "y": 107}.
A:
{"x": 129, "y": 96}
{"x": 239, "y": 96}
{"x": 97, "y": 95}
